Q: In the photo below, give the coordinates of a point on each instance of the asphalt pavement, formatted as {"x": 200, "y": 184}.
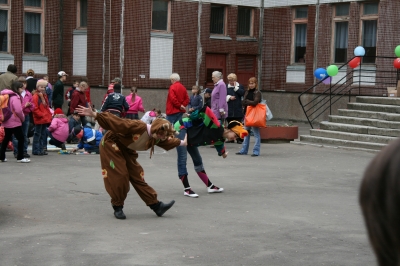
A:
{"x": 293, "y": 205}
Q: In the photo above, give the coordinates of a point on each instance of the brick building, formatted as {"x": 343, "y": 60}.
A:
{"x": 144, "y": 41}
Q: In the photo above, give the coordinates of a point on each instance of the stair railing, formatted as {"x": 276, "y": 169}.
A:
{"x": 363, "y": 77}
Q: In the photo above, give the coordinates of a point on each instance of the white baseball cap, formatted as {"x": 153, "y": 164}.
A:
{"x": 62, "y": 73}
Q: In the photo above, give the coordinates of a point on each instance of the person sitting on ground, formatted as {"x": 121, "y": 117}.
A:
{"x": 380, "y": 200}
{"x": 89, "y": 139}
{"x": 150, "y": 116}
{"x": 58, "y": 130}
{"x": 203, "y": 128}
{"x": 115, "y": 102}
{"x": 74, "y": 121}
{"x": 118, "y": 156}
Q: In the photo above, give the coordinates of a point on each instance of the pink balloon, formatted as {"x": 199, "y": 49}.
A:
{"x": 327, "y": 80}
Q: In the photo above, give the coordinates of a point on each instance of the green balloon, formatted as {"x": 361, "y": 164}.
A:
{"x": 332, "y": 70}
{"x": 397, "y": 51}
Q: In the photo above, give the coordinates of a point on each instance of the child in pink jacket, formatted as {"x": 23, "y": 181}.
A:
{"x": 14, "y": 124}
{"x": 58, "y": 130}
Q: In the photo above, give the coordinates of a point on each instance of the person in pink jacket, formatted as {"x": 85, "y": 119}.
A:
{"x": 58, "y": 130}
{"x": 27, "y": 108}
{"x": 135, "y": 104}
{"x": 14, "y": 124}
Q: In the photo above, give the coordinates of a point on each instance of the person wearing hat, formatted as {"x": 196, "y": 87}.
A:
{"x": 89, "y": 139}
{"x": 118, "y": 156}
{"x": 203, "y": 128}
{"x": 207, "y": 97}
{"x": 58, "y": 91}
{"x": 41, "y": 117}
{"x": 58, "y": 130}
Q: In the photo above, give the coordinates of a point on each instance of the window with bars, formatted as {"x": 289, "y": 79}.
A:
{"x": 160, "y": 15}
{"x": 82, "y": 13}
{"x": 244, "y": 21}
{"x": 369, "y": 20}
{"x": 341, "y": 33}
{"x": 300, "y": 20}
{"x": 217, "y": 19}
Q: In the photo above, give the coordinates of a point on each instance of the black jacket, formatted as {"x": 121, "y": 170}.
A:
{"x": 235, "y": 108}
{"x": 115, "y": 101}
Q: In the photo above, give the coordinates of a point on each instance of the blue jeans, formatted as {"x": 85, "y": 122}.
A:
{"x": 174, "y": 118}
{"x": 25, "y": 127}
{"x": 39, "y": 139}
{"x": 182, "y": 156}
{"x": 246, "y": 141}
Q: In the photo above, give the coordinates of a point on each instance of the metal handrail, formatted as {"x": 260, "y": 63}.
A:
{"x": 324, "y": 100}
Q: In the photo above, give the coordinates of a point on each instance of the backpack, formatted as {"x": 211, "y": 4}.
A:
{"x": 5, "y": 110}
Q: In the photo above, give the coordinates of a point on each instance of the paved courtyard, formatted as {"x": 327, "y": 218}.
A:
{"x": 293, "y": 205}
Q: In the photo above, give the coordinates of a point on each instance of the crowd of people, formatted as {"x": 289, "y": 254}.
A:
{"x": 115, "y": 131}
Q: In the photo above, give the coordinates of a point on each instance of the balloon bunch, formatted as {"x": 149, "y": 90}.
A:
{"x": 326, "y": 74}
{"x": 356, "y": 61}
{"x": 396, "y": 62}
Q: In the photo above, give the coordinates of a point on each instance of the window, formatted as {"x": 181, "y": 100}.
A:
{"x": 82, "y": 14}
{"x": 4, "y": 11}
{"x": 369, "y": 24}
{"x": 217, "y": 19}
{"x": 244, "y": 21}
{"x": 33, "y": 26}
{"x": 160, "y": 15}
{"x": 341, "y": 33}
{"x": 300, "y": 35}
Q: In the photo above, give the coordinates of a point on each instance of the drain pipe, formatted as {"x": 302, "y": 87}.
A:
{"x": 121, "y": 45}
{"x": 104, "y": 42}
{"x": 60, "y": 38}
{"x": 199, "y": 48}
{"x": 315, "y": 60}
{"x": 260, "y": 43}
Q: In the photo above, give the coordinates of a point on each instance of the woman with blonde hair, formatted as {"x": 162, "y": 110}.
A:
{"x": 251, "y": 97}
{"x": 135, "y": 104}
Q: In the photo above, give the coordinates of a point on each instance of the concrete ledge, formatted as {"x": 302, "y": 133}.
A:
{"x": 364, "y": 122}
{"x": 374, "y": 107}
{"x": 351, "y": 136}
{"x": 341, "y": 142}
{"x": 378, "y": 100}
{"x": 369, "y": 114}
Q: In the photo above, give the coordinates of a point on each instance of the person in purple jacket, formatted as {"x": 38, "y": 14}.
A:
{"x": 14, "y": 124}
{"x": 219, "y": 105}
{"x": 27, "y": 108}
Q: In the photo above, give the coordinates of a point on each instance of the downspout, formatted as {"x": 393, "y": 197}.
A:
{"x": 315, "y": 60}
{"x": 121, "y": 45}
{"x": 60, "y": 38}
{"x": 199, "y": 48}
{"x": 260, "y": 44}
{"x": 104, "y": 42}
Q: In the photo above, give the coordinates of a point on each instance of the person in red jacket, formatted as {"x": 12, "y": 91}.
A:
{"x": 79, "y": 98}
{"x": 70, "y": 91}
{"x": 177, "y": 99}
{"x": 41, "y": 117}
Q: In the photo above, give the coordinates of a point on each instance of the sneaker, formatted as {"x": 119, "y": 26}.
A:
{"x": 190, "y": 193}
{"x": 25, "y": 160}
{"x": 26, "y": 155}
{"x": 214, "y": 189}
{"x": 3, "y": 161}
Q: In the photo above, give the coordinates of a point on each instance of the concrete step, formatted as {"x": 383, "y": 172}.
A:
{"x": 359, "y": 129}
{"x": 342, "y": 143}
{"x": 364, "y": 121}
{"x": 369, "y": 114}
{"x": 378, "y": 100}
{"x": 351, "y": 136}
{"x": 374, "y": 107}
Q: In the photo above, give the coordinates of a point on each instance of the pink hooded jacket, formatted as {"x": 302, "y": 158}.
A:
{"x": 59, "y": 128}
{"x": 15, "y": 104}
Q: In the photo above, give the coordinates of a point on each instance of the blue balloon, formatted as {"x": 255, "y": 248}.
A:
{"x": 320, "y": 73}
{"x": 359, "y": 51}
